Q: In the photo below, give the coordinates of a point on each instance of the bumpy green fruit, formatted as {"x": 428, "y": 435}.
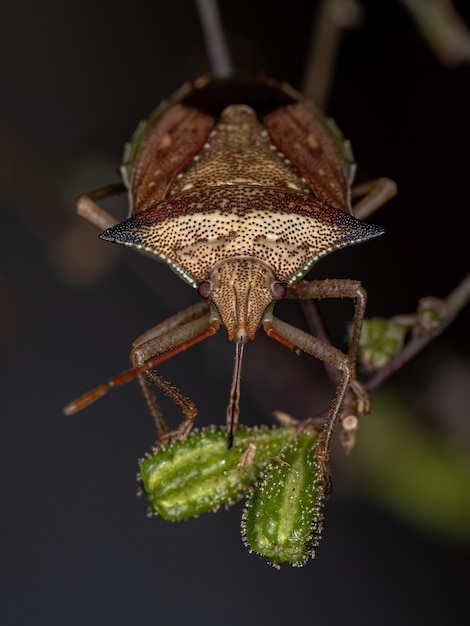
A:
{"x": 201, "y": 473}
{"x": 380, "y": 341}
{"x": 283, "y": 520}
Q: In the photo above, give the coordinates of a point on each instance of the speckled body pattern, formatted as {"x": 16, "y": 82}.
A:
{"x": 239, "y": 181}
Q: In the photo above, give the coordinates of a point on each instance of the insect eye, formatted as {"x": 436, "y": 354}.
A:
{"x": 279, "y": 290}
{"x": 204, "y": 289}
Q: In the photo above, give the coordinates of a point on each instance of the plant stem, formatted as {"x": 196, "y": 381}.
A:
{"x": 442, "y": 28}
{"x": 214, "y": 36}
{"x": 454, "y": 302}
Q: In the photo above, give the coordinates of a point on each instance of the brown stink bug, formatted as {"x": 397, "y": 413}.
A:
{"x": 240, "y": 185}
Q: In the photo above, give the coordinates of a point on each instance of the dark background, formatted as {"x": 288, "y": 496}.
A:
{"x": 76, "y": 546}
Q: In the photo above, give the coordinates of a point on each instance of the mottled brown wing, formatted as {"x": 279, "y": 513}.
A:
{"x": 305, "y": 141}
{"x": 175, "y": 138}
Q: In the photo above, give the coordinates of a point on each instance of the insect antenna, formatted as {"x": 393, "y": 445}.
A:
{"x": 101, "y": 390}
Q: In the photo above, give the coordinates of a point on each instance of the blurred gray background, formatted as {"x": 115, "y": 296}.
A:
{"x": 76, "y": 545}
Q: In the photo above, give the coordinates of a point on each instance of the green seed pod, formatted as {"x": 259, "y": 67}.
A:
{"x": 199, "y": 474}
{"x": 282, "y": 520}
{"x": 381, "y": 340}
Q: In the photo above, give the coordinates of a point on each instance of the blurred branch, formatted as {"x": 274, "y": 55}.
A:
{"x": 333, "y": 17}
{"x": 447, "y": 310}
{"x": 442, "y": 28}
{"x": 214, "y": 36}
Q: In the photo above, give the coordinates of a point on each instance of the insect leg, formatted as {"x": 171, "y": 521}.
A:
{"x": 146, "y": 380}
{"x": 187, "y": 407}
{"x": 357, "y": 401}
{"x": 152, "y": 403}
{"x": 193, "y": 312}
{"x": 376, "y": 193}
{"x": 337, "y": 288}
{"x": 88, "y": 209}
{"x": 159, "y": 344}
{"x": 172, "y": 336}
{"x": 295, "y": 339}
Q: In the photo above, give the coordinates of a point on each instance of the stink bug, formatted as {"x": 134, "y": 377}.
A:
{"x": 240, "y": 185}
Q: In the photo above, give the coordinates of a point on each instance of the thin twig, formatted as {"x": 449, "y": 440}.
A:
{"x": 442, "y": 28}
{"x": 216, "y": 44}
{"x": 332, "y": 18}
{"x": 454, "y": 303}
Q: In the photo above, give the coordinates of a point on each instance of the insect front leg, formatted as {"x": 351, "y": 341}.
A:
{"x": 294, "y": 338}
{"x": 187, "y": 407}
{"x": 337, "y": 288}
{"x": 88, "y": 209}
{"x": 357, "y": 400}
{"x": 376, "y": 193}
{"x": 172, "y": 336}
